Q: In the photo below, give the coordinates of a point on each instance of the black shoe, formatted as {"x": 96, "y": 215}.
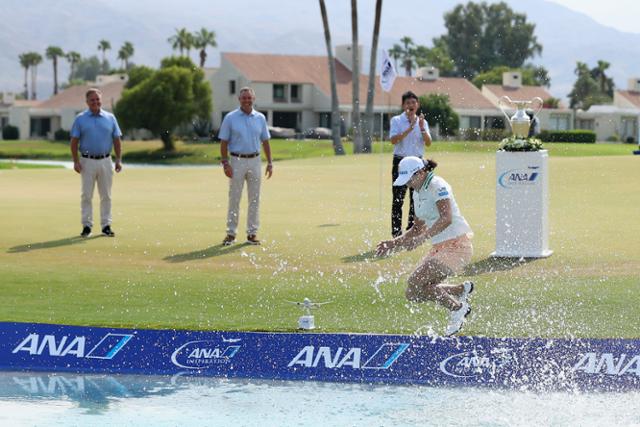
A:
{"x": 86, "y": 231}
{"x": 108, "y": 232}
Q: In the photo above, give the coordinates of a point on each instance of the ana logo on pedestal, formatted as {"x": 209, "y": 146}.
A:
{"x": 476, "y": 363}
{"x": 517, "y": 177}
{"x": 205, "y": 353}
{"x": 382, "y": 358}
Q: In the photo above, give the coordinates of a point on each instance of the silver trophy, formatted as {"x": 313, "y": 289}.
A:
{"x": 520, "y": 121}
{"x": 306, "y": 321}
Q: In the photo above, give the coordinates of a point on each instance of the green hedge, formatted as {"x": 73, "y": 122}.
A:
{"x": 62, "y": 135}
{"x": 473, "y": 134}
{"x": 10, "y": 132}
{"x": 578, "y": 136}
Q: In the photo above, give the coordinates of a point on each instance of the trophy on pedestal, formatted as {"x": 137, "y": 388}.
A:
{"x": 520, "y": 121}
{"x": 522, "y": 187}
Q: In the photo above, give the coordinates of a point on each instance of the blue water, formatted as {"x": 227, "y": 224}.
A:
{"x": 41, "y": 399}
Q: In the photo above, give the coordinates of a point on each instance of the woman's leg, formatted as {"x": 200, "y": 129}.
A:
{"x": 424, "y": 284}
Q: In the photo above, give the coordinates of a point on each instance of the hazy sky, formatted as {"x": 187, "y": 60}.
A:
{"x": 621, "y": 14}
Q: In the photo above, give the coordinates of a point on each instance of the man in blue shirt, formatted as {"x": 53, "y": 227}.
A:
{"x": 93, "y": 134}
{"x": 242, "y": 132}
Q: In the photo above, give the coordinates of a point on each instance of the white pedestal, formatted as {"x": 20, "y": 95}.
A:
{"x": 522, "y": 204}
{"x": 306, "y": 322}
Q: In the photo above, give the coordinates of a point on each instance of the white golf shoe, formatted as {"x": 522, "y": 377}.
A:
{"x": 456, "y": 319}
{"x": 468, "y": 288}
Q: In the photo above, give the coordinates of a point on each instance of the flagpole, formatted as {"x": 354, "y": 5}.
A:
{"x": 387, "y": 77}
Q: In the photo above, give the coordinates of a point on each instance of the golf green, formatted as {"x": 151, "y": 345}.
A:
{"x": 320, "y": 221}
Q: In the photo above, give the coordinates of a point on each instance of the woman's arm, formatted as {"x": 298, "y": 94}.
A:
{"x": 444, "y": 209}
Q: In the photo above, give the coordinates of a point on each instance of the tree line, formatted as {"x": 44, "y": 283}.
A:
{"x": 87, "y": 69}
{"x": 30, "y": 61}
{"x": 482, "y": 41}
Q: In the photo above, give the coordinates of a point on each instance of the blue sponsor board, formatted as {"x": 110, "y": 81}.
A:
{"x": 602, "y": 364}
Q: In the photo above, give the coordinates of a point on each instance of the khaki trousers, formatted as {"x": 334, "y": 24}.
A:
{"x": 244, "y": 170}
{"x": 101, "y": 172}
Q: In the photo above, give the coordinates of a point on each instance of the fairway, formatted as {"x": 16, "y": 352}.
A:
{"x": 320, "y": 221}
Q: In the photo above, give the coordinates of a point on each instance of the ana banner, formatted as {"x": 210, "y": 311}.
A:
{"x": 602, "y": 364}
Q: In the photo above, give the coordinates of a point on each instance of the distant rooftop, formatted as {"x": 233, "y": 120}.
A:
{"x": 301, "y": 69}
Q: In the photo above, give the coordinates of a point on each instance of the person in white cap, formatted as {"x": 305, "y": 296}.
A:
{"x": 437, "y": 218}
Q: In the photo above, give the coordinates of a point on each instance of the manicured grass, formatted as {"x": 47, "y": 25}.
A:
{"x": 321, "y": 219}
{"x": 209, "y": 153}
{"x": 14, "y": 165}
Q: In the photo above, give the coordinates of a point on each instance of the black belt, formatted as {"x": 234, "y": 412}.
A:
{"x": 89, "y": 156}
{"x": 245, "y": 156}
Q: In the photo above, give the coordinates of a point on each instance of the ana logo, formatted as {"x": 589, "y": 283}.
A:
{"x": 518, "y": 177}
{"x": 606, "y": 363}
{"x": 205, "y": 353}
{"x": 382, "y": 358}
{"x": 475, "y": 363}
{"x": 51, "y": 345}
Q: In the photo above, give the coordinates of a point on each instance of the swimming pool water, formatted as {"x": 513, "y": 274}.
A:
{"x": 44, "y": 399}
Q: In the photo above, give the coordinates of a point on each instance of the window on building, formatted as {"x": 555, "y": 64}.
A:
{"x": 296, "y": 93}
{"x": 559, "y": 122}
{"x": 475, "y": 122}
{"x": 40, "y": 126}
{"x": 493, "y": 122}
{"x": 324, "y": 120}
{"x": 232, "y": 87}
{"x": 587, "y": 124}
{"x": 279, "y": 93}
{"x": 629, "y": 130}
{"x": 3, "y": 122}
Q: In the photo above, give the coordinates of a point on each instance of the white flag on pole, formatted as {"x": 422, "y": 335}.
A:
{"x": 387, "y": 72}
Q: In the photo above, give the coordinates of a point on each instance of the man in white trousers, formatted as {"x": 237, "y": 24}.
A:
{"x": 95, "y": 132}
{"x": 242, "y": 132}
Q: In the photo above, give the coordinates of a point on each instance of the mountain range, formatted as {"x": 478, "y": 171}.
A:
{"x": 285, "y": 27}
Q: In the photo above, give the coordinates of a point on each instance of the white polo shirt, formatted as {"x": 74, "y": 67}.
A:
{"x": 424, "y": 201}
{"x": 412, "y": 144}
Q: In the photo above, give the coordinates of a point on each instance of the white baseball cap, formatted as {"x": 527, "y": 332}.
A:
{"x": 407, "y": 167}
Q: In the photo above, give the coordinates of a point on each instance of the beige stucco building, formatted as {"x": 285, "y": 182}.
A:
{"x": 293, "y": 91}
{"x": 619, "y": 121}
{"x": 41, "y": 119}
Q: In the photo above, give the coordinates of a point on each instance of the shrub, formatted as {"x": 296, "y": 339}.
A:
{"x": 577, "y": 136}
{"x": 62, "y": 135}
{"x": 630, "y": 140}
{"x": 474, "y": 134}
{"x": 10, "y": 132}
{"x": 437, "y": 110}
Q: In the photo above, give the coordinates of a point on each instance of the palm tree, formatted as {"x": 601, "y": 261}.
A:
{"x": 24, "y": 62}
{"x": 371, "y": 90}
{"x": 53, "y": 53}
{"x": 202, "y": 39}
{"x": 407, "y": 54}
{"x": 73, "y": 58}
{"x": 34, "y": 60}
{"x": 396, "y": 53}
{"x": 104, "y": 46}
{"x": 126, "y": 52}
{"x": 338, "y": 149}
{"x": 599, "y": 73}
{"x": 182, "y": 40}
{"x": 355, "y": 81}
